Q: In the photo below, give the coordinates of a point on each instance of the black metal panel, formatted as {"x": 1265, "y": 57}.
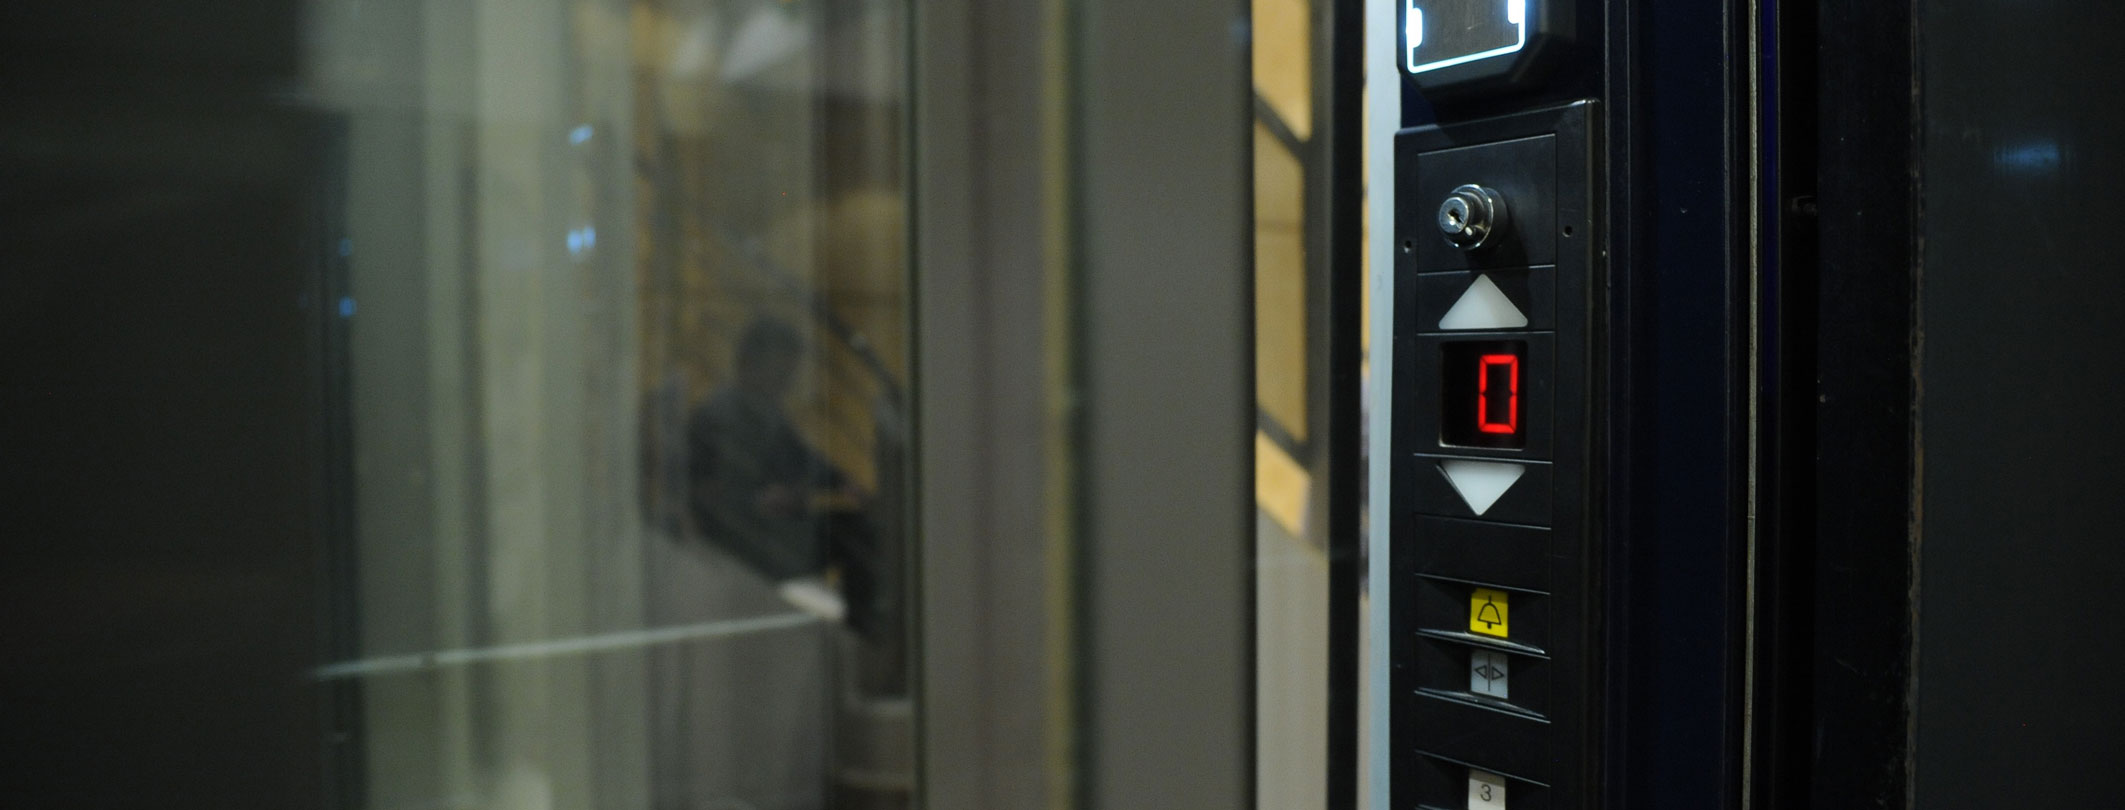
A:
{"x": 1341, "y": 129}
{"x": 1521, "y": 169}
{"x": 1496, "y": 554}
{"x": 1676, "y": 450}
{"x": 1862, "y": 544}
{"x": 1545, "y": 163}
{"x": 2019, "y": 335}
{"x": 1783, "y": 607}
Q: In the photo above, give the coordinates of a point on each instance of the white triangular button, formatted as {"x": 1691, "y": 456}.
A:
{"x": 1481, "y": 483}
{"x": 1483, "y": 306}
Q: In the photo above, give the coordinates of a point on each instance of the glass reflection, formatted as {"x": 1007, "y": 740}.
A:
{"x": 621, "y": 408}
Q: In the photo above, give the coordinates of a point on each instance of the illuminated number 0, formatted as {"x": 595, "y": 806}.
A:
{"x": 1484, "y": 393}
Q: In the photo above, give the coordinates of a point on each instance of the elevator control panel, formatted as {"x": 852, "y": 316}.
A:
{"x": 1494, "y": 687}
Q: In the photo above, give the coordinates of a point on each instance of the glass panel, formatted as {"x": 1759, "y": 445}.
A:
{"x": 1279, "y": 284}
{"x": 1283, "y": 60}
{"x": 619, "y": 330}
{"x": 1291, "y": 575}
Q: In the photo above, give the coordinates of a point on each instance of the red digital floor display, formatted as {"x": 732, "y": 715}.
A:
{"x": 1482, "y": 391}
{"x": 1498, "y": 393}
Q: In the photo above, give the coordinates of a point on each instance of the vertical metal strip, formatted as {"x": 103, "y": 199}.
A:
{"x": 1384, "y": 102}
{"x": 1753, "y": 32}
{"x": 1061, "y": 433}
{"x": 1341, "y": 132}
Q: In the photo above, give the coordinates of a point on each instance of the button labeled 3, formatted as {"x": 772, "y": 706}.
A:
{"x": 1486, "y": 791}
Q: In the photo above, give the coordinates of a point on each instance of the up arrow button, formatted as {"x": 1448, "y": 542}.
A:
{"x": 1483, "y": 306}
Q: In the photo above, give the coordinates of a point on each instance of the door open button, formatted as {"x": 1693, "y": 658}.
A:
{"x": 1488, "y": 673}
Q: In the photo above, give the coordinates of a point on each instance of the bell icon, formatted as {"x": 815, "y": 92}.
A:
{"x": 1489, "y": 615}
{"x": 1488, "y": 611}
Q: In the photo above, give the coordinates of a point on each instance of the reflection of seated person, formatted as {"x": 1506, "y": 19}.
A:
{"x": 760, "y": 492}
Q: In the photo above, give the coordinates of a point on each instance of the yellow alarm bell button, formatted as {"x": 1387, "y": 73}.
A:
{"x": 1487, "y": 612}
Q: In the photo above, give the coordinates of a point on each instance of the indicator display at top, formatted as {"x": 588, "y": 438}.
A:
{"x": 1444, "y": 33}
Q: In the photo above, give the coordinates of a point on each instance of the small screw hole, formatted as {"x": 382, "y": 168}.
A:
{"x": 1567, "y": 230}
{"x": 1408, "y": 246}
